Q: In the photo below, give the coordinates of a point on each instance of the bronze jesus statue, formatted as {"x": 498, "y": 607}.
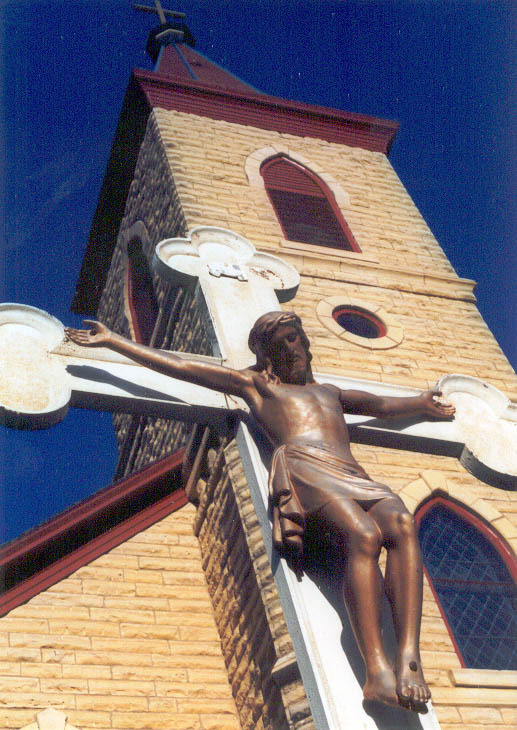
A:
{"x": 315, "y": 477}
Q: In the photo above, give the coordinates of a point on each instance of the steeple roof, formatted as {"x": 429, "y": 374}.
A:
{"x": 184, "y": 80}
{"x": 180, "y": 62}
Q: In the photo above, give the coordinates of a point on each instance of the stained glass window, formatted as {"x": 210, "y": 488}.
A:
{"x": 474, "y": 587}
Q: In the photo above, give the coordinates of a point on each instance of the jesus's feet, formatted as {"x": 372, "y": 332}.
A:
{"x": 381, "y": 687}
{"x": 412, "y": 689}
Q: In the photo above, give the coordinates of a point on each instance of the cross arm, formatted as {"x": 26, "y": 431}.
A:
{"x": 207, "y": 375}
{"x": 41, "y": 375}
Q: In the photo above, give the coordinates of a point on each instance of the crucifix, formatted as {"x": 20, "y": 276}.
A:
{"x": 240, "y": 286}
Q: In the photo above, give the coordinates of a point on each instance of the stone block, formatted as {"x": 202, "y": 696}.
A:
{"x": 219, "y": 722}
{"x": 131, "y": 688}
{"x": 435, "y": 480}
{"x": 66, "y": 685}
{"x": 84, "y": 628}
{"x": 449, "y": 715}
{"x": 86, "y": 671}
{"x": 478, "y": 697}
{"x": 418, "y": 490}
{"x": 138, "y": 646}
{"x": 49, "y": 641}
{"x": 34, "y": 669}
{"x": 90, "y": 720}
{"x": 201, "y": 706}
{"x": 155, "y": 720}
{"x": 481, "y": 716}
{"x": 506, "y": 528}
{"x": 111, "y": 703}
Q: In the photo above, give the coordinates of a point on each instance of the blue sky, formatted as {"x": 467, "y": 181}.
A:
{"x": 445, "y": 70}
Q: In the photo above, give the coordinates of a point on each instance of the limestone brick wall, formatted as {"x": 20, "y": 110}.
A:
{"x": 257, "y": 647}
{"x": 208, "y": 160}
{"x": 126, "y": 642}
{"x": 401, "y": 267}
{"x": 439, "y": 336}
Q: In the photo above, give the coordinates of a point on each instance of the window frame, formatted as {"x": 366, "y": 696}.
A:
{"x": 326, "y": 194}
{"x": 497, "y": 542}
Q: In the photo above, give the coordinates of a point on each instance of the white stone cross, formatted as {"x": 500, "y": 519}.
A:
{"x": 40, "y": 375}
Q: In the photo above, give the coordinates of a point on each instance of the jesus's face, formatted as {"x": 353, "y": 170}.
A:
{"x": 288, "y": 355}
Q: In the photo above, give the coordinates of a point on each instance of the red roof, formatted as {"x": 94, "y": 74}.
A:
{"x": 54, "y": 550}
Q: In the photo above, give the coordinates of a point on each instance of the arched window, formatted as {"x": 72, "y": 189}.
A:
{"x": 141, "y": 300}
{"x": 472, "y": 574}
{"x": 305, "y": 207}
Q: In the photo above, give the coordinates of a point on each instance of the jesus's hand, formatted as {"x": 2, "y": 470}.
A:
{"x": 435, "y": 409}
{"x": 97, "y": 335}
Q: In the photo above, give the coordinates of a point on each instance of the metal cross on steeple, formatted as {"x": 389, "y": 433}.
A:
{"x": 162, "y": 14}
{"x": 172, "y": 29}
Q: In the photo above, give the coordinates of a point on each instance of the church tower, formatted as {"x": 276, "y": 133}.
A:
{"x": 384, "y": 311}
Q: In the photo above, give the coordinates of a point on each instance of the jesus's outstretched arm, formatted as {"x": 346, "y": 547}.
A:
{"x": 424, "y": 405}
{"x": 216, "y": 377}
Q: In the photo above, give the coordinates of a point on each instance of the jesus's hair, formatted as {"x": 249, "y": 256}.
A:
{"x": 264, "y": 329}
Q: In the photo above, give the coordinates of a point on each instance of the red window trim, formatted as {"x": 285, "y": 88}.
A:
{"x": 497, "y": 542}
{"x": 325, "y": 193}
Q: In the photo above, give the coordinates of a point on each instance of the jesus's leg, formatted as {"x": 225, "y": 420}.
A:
{"x": 362, "y": 589}
{"x": 403, "y": 585}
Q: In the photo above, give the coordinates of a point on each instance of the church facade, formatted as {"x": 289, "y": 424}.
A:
{"x": 162, "y": 610}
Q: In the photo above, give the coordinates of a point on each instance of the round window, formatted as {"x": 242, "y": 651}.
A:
{"x": 359, "y": 322}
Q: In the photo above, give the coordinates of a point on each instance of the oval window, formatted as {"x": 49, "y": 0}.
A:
{"x": 359, "y": 321}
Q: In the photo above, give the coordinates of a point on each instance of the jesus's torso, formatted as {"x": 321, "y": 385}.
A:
{"x": 301, "y": 415}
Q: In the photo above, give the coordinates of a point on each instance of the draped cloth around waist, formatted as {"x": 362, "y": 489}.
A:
{"x": 302, "y": 480}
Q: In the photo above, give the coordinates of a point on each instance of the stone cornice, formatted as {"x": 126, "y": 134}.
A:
{"x": 356, "y": 269}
